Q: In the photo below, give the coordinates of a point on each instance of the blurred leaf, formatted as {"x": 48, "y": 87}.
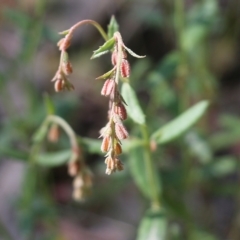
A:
{"x": 224, "y": 166}
{"x": 168, "y": 65}
{"x": 49, "y": 104}
{"x": 112, "y": 27}
{"x": 53, "y": 159}
{"x": 105, "y": 48}
{"x": 181, "y": 124}
{"x": 199, "y": 147}
{"x": 153, "y": 226}
{"x": 138, "y": 168}
{"x": 40, "y": 134}
{"x": 133, "y": 108}
{"x": 13, "y": 153}
{"x": 20, "y": 18}
{"x": 200, "y": 235}
{"x": 92, "y": 145}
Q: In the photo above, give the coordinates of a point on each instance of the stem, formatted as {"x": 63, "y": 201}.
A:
{"x": 117, "y": 35}
{"x": 87, "y": 21}
{"x": 150, "y": 169}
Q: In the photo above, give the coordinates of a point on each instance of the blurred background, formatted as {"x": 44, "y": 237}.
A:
{"x": 193, "y": 53}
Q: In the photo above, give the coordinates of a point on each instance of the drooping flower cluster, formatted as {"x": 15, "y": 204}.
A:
{"x": 115, "y": 131}
{"x": 65, "y": 67}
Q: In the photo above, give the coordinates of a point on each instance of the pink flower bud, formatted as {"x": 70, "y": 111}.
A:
{"x": 67, "y": 68}
{"x": 125, "y": 68}
{"x": 108, "y": 87}
{"x": 117, "y": 149}
{"x": 120, "y": 110}
{"x": 105, "y": 144}
{"x": 59, "y": 85}
{"x": 121, "y": 131}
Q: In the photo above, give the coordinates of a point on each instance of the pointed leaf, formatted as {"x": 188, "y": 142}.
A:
{"x": 54, "y": 159}
{"x": 112, "y": 27}
{"x": 138, "y": 167}
{"x": 153, "y": 226}
{"x": 133, "y": 53}
{"x": 181, "y": 124}
{"x": 105, "y": 48}
{"x": 133, "y": 108}
{"x": 106, "y": 75}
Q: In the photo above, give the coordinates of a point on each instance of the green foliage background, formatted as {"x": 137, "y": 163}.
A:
{"x": 192, "y": 55}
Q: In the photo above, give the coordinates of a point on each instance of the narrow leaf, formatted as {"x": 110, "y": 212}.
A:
{"x": 133, "y": 53}
{"x": 133, "y": 108}
{"x": 112, "y": 27}
{"x": 153, "y": 226}
{"x": 181, "y": 124}
{"x": 106, "y": 47}
{"x": 138, "y": 167}
{"x": 53, "y": 159}
{"x": 106, "y": 75}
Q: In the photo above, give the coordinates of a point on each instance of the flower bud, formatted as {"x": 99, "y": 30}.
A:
{"x": 125, "y": 68}
{"x": 121, "y": 131}
{"x": 117, "y": 149}
{"x": 105, "y": 144}
{"x": 59, "y": 85}
{"x": 120, "y": 110}
{"x": 53, "y": 134}
{"x": 67, "y": 68}
{"x": 73, "y": 168}
{"x": 108, "y": 87}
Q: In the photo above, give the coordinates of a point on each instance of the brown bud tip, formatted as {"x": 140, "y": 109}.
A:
{"x": 108, "y": 87}
{"x": 105, "y": 144}
{"x": 153, "y": 145}
{"x": 64, "y": 43}
{"x": 120, "y": 110}
{"x": 73, "y": 168}
{"x": 59, "y": 85}
{"x": 125, "y": 68}
{"x": 117, "y": 149}
{"x": 121, "y": 131}
{"x": 53, "y": 134}
{"x": 114, "y": 58}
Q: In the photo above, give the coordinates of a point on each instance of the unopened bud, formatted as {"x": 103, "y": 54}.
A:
{"x": 107, "y": 87}
{"x": 105, "y": 144}
{"x": 117, "y": 149}
{"x": 59, "y": 85}
{"x": 73, "y": 168}
{"x": 121, "y": 131}
{"x": 53, "y": 134}
{"x": 125, "y": 68}
{"x": 120, "y": 110}
{"x": 67, "y": 68}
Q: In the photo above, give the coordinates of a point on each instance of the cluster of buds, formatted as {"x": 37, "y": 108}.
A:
{"x": 115, "y": 131}
{"x": 82, "y": 182}
{"x": 65, "y": 67}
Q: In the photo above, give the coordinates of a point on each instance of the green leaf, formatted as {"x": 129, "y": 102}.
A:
{"x": 112, "y": 27}
{"x": 105, "y": 48}
{"x": 181, "y": 124}
{"x": 138, "y": 167}
{"x": 106, "y": 75}
{"x": 133, "y": 53}
{"x": 153, "y": 226}
{"x": 53, "y": 159}
{"x": 92, "y": 145}
{"x": 133, "y": 108}
{"x": 49, "y": 104}
{"x": 224, "y": 166}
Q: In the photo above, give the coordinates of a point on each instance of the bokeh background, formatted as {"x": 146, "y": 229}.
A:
{"x": 193, "y": 53}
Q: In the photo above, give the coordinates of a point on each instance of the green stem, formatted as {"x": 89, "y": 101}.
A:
{"x": 150, "y": 169}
